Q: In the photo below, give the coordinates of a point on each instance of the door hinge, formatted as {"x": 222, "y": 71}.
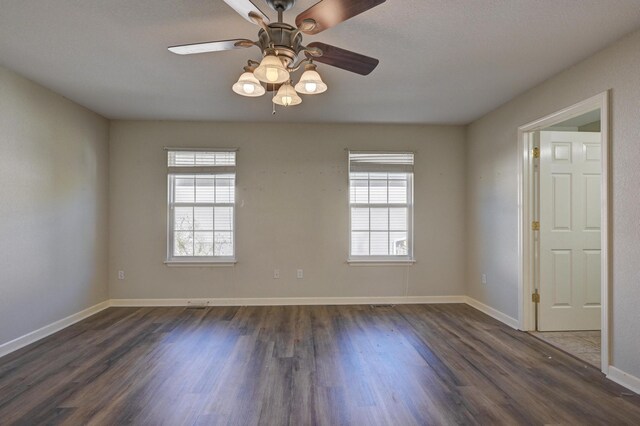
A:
{"x": 535, "y": 297}
{"x": 535, "y": 153}
{"x": 535, "y": 225}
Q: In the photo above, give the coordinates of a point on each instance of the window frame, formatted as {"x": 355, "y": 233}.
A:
{"x": 176, "y": 171}
{"x": 382, "y": 259}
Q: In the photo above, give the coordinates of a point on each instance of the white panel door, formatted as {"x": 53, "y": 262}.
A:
{"x": 570, "y": 168}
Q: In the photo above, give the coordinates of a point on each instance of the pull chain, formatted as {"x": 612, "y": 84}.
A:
{"x": 272, "y": 98}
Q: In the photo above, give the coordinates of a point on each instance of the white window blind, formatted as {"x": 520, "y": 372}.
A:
{"x": 381, "y": 161}
{"x": 381, "y": 205}
{"x": 201, "y": 205}
{"x": 201, "y": 158}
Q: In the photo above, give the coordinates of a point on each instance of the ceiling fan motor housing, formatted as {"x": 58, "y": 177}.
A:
{"x": 285, "y": 39}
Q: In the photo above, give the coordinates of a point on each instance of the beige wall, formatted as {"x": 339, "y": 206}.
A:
{"x": 492, "y": 188}
{"x": 292, "y": 211}
{"x": 53, "y": 207}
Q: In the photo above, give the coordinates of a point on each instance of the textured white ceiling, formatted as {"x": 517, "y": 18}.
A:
{"x": 442, "y": 61}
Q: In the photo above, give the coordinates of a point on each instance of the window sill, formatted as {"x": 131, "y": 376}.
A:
{"x": 201, "y": 264}
{"x": 379, "y": 262}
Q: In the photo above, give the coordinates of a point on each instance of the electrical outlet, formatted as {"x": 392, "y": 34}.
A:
{"x": 484, "y": 278}
{"x": 300, "y": 274}
{"x": 121, "y": 275}
{"x": 276, "y": 274}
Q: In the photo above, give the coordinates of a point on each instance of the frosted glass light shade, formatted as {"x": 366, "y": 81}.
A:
{"x": 311, "y": 83}
{"x": 248, "y": 85}
{"x": 271, "y": 70}
{"x": 287, "y": 96}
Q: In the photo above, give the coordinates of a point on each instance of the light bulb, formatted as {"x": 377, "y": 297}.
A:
{"x": 248, "y": 85}
{"x": 248, "y": 88}
{"x": 271, "y": 70}
{"x": 286, "y": 96}
{"x": 272, "y": 74}
{"x": 310, "y": 82}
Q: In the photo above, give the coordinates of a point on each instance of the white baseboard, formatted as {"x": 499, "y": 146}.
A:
{"x": 627, "y": 380}
{"x": 492, "y": 312}
{"x": 287, "y": 301}
{"x": 614, "y": 374}
{"x": 624, "y": 379}
{"x": 47, "y": 330}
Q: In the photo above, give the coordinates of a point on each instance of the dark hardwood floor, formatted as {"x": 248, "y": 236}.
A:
{"x": 333, "y": 365}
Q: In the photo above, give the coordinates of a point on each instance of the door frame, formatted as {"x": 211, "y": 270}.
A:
{"x": 526, "y": 214}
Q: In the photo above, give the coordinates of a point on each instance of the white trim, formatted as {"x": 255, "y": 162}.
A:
{"x": 606, "y": 227}
{"x": 492, "y": 312}
{"x": 41, "y": 333}
{"x": 381, "y": 262}
{"x": 202, "y": 264}
{"x": 614, "y": 374}
{"x": 289, "y": 301}
{"x": 170, "y": 148}
{"x": 525, "y": 215}
{"x": 202, "y": 170}
{"x": 47, "y": 330}
{"x": 625, "y": 379}
{"x": 374, "y": 151}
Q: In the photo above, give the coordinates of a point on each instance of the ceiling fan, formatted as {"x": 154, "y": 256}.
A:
{"x": 281, "y": 46}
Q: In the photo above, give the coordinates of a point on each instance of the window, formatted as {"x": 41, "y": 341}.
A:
{"x": 201, "y": 206}
{"x": 381, "y": 206}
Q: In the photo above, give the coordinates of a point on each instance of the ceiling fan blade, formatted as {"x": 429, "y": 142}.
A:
{"x": 211, "y": 46}
{"x": 257, "y": 19}
{"x": 244, "y": 7}
{"x": 344, "y": 59}
{"x": 329, "y": 13}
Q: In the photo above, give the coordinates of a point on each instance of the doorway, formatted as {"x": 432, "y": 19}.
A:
{"x": 564, "y": 230}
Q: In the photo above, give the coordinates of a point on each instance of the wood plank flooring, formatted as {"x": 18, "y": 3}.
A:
{"x": 303, "y": 365}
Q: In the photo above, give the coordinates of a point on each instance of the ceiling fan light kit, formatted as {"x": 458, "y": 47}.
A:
{"x": 248, "y": 84}
{"x": 271, "y": 70}
{"x": 287, "y": 96}
{"x": 310, "y": 82}
{"x": 283, "y": 52}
